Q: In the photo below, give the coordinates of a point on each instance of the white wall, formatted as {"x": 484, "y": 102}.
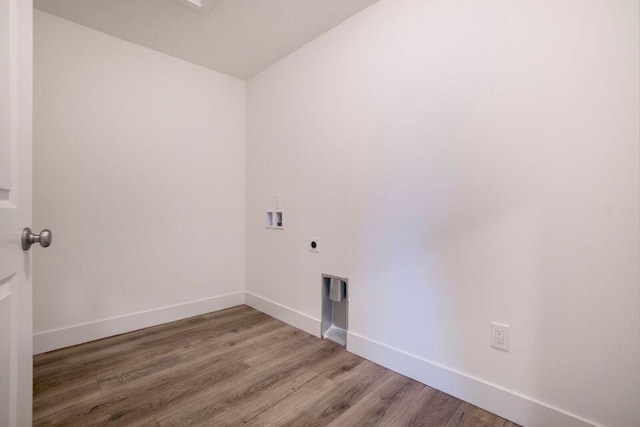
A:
{"x": 464, "y": 162}
{"x": 139, "y": 173}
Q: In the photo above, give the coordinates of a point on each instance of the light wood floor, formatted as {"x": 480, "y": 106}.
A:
{"x": 232, "y": 367}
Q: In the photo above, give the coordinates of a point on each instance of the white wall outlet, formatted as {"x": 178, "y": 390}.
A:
{"x": 500, "y": 336}
{"x": 314, "y": 244}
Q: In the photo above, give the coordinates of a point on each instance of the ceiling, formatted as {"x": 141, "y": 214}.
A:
{"x": 236, "y": 37}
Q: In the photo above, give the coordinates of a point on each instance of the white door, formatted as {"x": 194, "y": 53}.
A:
{"x": 16, "y": 27}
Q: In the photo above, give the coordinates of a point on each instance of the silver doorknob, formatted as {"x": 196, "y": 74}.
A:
{"x": 28, "y": 238}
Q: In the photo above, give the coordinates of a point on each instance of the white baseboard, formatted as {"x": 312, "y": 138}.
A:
{"x": 85, "y": 332}
{"x": 285, "y": 314}
{"x": 507, "y": 404}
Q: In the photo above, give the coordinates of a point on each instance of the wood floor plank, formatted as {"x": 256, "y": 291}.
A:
{"x": 268, "y": 407}
{"x": 470, "y": 415}
{"x": 175, "y": 375}
{"x": 304, "y": 394}
{"x": 74, "y": 374}
{"x": 166, "y": 394}
{"x": 94, "y": 347}
{"x": 64, "y": 398}
{"x": 215, "y": 407}
{"x": 429, "y": 408}
{"x": 181, "y": 365}
{"x": 329, "y": 404}
{"x": 210, "y": 405}
{"x": 383, "y": 404}
{"x": 462, "y": 418}
{"x": 157, "y": 339}
{"x": 337, "y": 367}
{"x": 232, "y": 367}
{"x": 282, "y": 351}
{"x": 127, "y": 409}
{"x": 123, "y": 342}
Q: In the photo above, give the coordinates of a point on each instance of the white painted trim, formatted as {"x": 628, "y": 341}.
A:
{"x": 288, "y": 315}
{"x": 505, "y": 403}
{"x": 85, "y": 332}
{"x": 521, "y": 409}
